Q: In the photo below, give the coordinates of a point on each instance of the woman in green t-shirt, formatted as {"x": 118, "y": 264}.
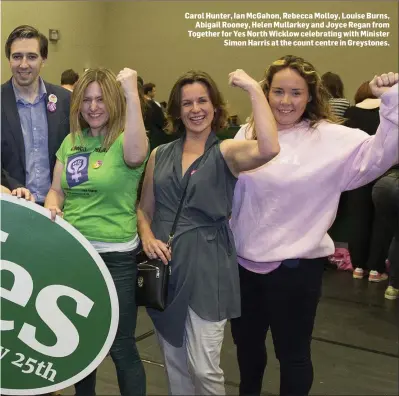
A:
{"x": 96, "y": 176}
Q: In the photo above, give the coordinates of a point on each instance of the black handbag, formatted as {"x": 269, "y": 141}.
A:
{"x": 152, "y": 282}
{"x": 153, "y": 275}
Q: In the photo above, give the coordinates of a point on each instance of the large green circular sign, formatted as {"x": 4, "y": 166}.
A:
{"x": 59, "y": 307}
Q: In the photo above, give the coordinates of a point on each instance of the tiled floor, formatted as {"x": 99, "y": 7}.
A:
{"x": 355, "y": 346}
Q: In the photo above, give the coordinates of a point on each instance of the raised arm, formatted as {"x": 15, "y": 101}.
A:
{"x": 152, "y": 247}
{"x": 372, "y": 157}
{"x": 135, "y": 144}
{"x": 55, "y": 197}
{"x": 245, "y": 155}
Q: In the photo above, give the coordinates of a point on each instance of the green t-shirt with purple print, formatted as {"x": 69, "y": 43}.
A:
{"x": 100, "y": 189}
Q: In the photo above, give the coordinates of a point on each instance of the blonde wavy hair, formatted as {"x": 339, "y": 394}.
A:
{"x": 318, "y": 108}
{"x": 114, "y": 100}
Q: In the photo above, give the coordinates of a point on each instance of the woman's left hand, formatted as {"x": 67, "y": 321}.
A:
{"x": 242, "y": 80}
{"x": 128, "y": 79}
{"x": 381, "y": 84}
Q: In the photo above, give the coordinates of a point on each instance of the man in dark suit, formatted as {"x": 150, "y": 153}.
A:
{"x": 154, "y": 119}
{"x": 34, "y": 114}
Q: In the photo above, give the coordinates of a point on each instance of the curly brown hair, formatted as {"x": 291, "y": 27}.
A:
{"x": 318, "y": 107}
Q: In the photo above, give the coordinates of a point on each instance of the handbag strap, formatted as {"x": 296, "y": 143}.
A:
{"x": 179, "y": 209}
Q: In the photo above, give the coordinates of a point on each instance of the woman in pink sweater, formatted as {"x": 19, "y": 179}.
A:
{"x": 283, "y": 210}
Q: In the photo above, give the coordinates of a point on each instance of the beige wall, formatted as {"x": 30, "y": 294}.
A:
{"x": 159, "y": 47}
{"x": 152, "y": 38}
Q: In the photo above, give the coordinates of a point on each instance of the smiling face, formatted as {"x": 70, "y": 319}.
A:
{"x": 197, "y": 110}
{"x": 93, "y": 109}
{"x": 288, "y": 97}
{"x": 25, "y": 61}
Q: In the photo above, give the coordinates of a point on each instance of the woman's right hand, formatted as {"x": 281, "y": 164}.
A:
{"x": 154, "y": 248}
{"x": 239, "y": 78}
{"x": 55, "y": 211}
{"x": 128, "y": 79}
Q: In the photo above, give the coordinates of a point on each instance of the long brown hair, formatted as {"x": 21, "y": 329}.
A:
{"x": 175, "y": 124}
{"x": 318, "y": 107}
{"x": 333, "y": 84}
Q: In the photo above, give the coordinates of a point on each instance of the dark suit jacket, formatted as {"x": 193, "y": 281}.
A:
{"x": 155, "y": 123}
{"x": 8, "y": 181}
{"x": 12, "y": 141}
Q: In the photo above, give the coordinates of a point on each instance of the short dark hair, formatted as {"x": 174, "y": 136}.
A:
{"x": 69, "y": 77}
{"x": 148, "y": 87}
{"x": 27, "y": 32}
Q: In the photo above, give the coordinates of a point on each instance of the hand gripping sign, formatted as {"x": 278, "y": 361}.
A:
{"x": 59, "y": 307}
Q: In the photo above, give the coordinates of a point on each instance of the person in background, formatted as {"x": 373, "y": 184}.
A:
{"x": 150, "y": 91}
{"x": 203, "y": 289}
{"x": 95, "y": 182}
{"x": 283, "y": 210}
{"x": 164, "y": 106}
{"x": 386, "y": 201}
{"x": 335, "y": 87}
{"x": 68, "y": 79}
{"x": 154, "y": 120}
{"x": 34, "y": 114}
{"x": 365, "y": 115}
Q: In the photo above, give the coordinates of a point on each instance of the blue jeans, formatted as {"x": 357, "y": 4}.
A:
{"x": 124, "y": 353}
